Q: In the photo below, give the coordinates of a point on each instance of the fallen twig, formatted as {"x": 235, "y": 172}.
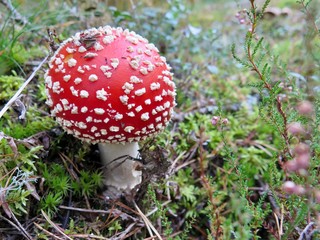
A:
{"x": 88, "y": 236}
{"x": 54, "y": 225}
{"x": 11, "y": 143}
{"x": 47, "y": 232}
{"x": 147, "y": 222}
{"x": 17, "y": 94}
{"x": 156, "y": 208}
{"x": 16, "y": 15}
{"x": 304, "y": 234}
{"x": 279, "y": 223}
{"x": 116, "y": 212}
{"x": 124, "y": 234}
{"x": 17, "y": 225}
{"x": 171, "y": 169}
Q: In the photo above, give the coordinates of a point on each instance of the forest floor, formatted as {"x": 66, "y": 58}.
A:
{"x": 240, "y": 158}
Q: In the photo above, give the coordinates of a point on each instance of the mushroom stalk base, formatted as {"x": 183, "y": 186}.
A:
{"x": 120, "y": 168}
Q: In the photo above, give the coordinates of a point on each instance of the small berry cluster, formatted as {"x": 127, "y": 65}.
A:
{"x": 242, "y": 17}
{"x": 217, "y": 120}
{"x": 301, "y": 156}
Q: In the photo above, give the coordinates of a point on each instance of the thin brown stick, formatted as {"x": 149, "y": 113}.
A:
{"x": 88, "y": 236}
{"x": 124, "y": 234}
{"x": 98, "y": 211}
{"x": 310, "y": 16}
{"x": 47, "y": 232}
{"x": 156, "y": 208}
{"x": 216, "y": 225}
{"x": 54, "y": 225}
{"x": 17, "y": 225}
{"x": 147, "y": 222}
{"x": 84, "y": 210}
{"x": 134, "y": 231}
{"x": 284, "y": 131}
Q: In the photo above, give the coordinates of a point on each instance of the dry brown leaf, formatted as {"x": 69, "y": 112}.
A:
{"x": 11, "y": 143}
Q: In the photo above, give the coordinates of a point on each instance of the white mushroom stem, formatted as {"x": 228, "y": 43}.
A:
{"x": 119, "y": 166}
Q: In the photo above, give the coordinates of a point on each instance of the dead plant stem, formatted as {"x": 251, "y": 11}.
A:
{"x": 284, "y": 131}
{"x": 17, "y": 94}
{"x": 206, "y": 183}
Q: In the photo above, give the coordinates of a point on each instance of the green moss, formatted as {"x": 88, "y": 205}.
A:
{"x": 8, "y": 86}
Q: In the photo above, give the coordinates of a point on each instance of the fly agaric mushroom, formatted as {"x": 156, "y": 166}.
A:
{"x": 110, "y": 86}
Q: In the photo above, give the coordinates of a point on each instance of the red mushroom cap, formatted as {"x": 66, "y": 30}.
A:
{"x": 110, "y": 85}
